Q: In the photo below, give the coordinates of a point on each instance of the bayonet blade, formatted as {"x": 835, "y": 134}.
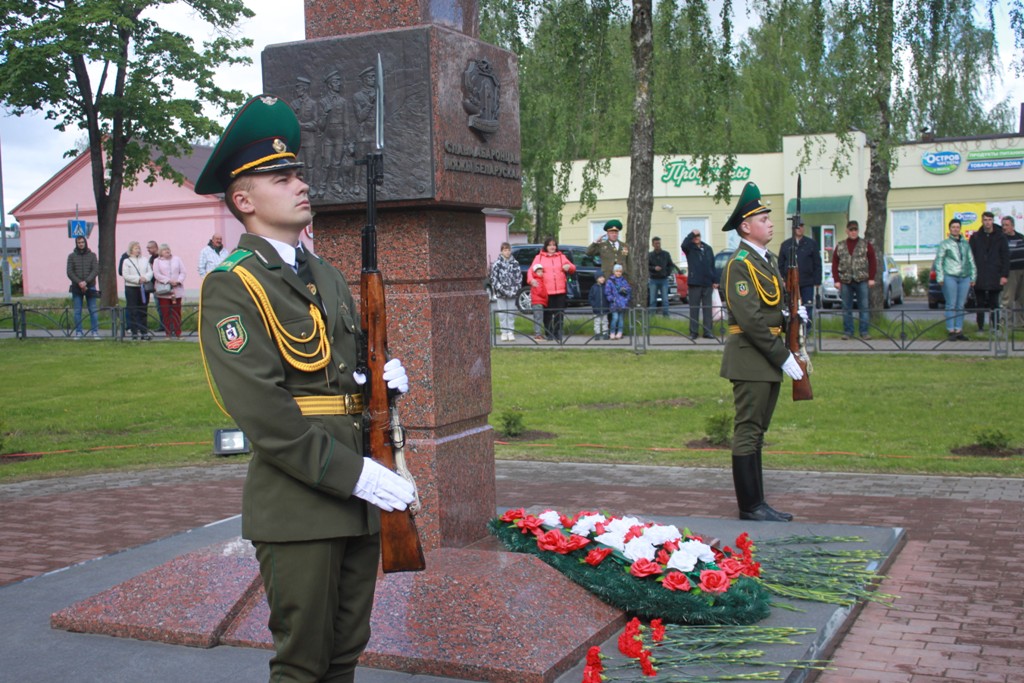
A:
{"x": 380, "y": 105}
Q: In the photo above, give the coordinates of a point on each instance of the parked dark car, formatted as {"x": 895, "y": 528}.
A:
{"x": 587, "y": 270}
{"x": 721, "y": 258}
{"x": 888, "y": 277}
{"x": 936, "y": 299}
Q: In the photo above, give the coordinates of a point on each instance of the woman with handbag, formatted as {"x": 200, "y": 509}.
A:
{"x": 138, "y": 276}
{"x": 169, "y": 276}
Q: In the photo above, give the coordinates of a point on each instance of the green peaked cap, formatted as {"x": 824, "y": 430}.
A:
{"x": 613, "y": 224}
{"x": 748, "y": 205}
{"x": 262, "y": 137}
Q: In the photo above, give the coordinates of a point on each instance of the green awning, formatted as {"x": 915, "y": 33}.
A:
{"x": 821, "y": 205}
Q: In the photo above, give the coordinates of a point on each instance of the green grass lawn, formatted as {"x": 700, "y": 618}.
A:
{"x": 99, "y": 406}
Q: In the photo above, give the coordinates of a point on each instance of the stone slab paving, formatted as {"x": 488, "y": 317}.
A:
{"x": 960, "y": 616}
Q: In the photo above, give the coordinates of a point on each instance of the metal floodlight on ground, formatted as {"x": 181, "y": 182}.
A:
{"x": 229, "y": 442}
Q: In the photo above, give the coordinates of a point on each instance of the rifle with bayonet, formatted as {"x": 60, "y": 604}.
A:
{"x": 795, "y": 332}
{"x": 384, "y": 437}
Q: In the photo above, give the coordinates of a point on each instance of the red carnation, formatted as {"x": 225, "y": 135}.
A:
{"x": 671, "y": 546}
{"x": 657, "y": 630}
{"x": 635, "y": 531}
{"x": 752, "y": 569}
{"x": 630, "y": 643}
{"x": 647, "y": 664}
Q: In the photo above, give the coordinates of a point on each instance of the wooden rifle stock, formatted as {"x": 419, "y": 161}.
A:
{"x": 400, "y": 548}
{"x": 801, "y": 387}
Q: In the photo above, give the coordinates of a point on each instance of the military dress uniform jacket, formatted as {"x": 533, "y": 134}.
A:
{"x": 753, "y": 291}
{"x": 610, "y": 253}
{"x": 304, "y": 467}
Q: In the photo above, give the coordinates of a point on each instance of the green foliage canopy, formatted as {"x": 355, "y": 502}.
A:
{"x": 140, "y": 92}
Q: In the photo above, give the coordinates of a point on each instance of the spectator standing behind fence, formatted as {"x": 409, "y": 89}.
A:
{"x": 556, "y": 268}
{"x": 154, "y": 253}
{"x": 506, "y": 278}
{"x": 137, "y": 274}
{"x": 659, "y": 268}
{"x": 992, "y": 258}
{"x": 538, "y": 299}
{"x": 955, "y": 272}
{"x": 853, "y": 271}
{"x": 808, "y": 265}
{"x": 169, "y": 273}
{"x": 1013, "y": 292}
{"x": 83, "y": 269}
{"x": 702, "y": 281}
{"x": 599, "y": 304}
{"x": 618, "y": 292}
{"x": 211, "y": 255}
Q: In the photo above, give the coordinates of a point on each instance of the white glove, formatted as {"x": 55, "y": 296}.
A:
{"x": 380, "y": 486}
{"x": 803, "y": 314}
{"x": 792, "y": 368}
{"x": 394, "y": 375}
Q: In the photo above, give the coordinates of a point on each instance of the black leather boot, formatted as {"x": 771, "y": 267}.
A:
{"x": 748, "y": 498}
{"x": 760, "y": 488}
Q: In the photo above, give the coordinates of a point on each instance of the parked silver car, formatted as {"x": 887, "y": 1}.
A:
{"x": 888, "y": 277}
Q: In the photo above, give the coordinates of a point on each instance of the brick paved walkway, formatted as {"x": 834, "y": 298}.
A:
{"x": 960, "y": 615}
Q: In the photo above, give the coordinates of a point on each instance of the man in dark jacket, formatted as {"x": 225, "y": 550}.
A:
{"x": 83, "y": 269}
{"x": 1013, "y": 293}
{"x": 808, "y": 264}
{"x": 659, "y": 269}
{"x": 701, "y": 277}
{"x": 992, "y": 258}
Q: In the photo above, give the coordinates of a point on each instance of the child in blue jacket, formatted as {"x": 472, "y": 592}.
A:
{"x": 618, "y": 292}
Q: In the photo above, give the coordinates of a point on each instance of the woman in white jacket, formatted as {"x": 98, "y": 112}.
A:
{"x": 136, "y": 272}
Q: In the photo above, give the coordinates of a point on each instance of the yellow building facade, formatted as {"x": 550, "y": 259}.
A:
{"x": 933, "y": 181}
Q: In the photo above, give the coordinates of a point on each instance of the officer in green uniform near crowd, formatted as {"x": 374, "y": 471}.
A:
{"x": 279, "y": 333}
{"x": 756, "y": 354}
{"x": 610, "y": 249}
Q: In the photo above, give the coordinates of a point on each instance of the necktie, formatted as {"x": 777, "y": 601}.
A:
{"x": 303, "y": 270}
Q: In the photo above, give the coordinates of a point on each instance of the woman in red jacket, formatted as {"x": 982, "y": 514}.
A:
{"x": 556, "y": 268}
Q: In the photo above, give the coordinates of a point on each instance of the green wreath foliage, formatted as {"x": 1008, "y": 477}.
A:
{"x": 746, "y": 601}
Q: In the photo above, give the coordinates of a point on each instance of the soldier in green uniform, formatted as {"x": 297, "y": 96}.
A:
{"x": 756, "y": 354}
{"x": 279, "y": 333}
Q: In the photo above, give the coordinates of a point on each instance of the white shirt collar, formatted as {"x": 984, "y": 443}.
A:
{"x": 287, "y": 251}
{"x": 760, "y": 250}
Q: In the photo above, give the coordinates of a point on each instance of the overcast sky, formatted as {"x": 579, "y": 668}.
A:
{"x": 32, "y": 151}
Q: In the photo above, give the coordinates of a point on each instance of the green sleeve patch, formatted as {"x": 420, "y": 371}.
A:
{"x": 742, "y": 288}
{"x": 232, "y": 334}
{"x": 233, "y": 259}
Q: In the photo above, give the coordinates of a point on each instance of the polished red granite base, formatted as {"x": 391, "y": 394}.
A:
{"x": 190, "y": 600}
{"x": 479, "y": 614}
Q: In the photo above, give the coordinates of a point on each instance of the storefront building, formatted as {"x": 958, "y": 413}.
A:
{"x": 933, "y": 182}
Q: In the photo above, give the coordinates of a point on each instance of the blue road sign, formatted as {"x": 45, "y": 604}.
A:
{"x": 78, "y": 228}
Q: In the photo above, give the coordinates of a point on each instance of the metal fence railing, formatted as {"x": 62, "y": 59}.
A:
{"x": 891, "y": 331}
{"x": 23, "y": 320}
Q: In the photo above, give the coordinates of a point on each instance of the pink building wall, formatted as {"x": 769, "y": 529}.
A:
{"x": 164, "y": 212}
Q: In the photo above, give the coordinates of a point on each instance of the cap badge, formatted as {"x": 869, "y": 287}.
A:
{"x": 279, "y": 146}
{"x": 269, "y": 101}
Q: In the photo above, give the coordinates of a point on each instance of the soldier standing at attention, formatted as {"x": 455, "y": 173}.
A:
{"x": 279, "y": 333}
{"x": 755, "y": 351}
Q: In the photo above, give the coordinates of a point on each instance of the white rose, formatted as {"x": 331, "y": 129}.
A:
{"x": 682, "y": 560}
{"x": 638, "y": 548}
{"x": 702, "y": 551}
{"x": 659, "y": 534}
{"x": 613, "y": 540}
{"x": 550, "y": 518}
{"x": 585, "y": 526}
